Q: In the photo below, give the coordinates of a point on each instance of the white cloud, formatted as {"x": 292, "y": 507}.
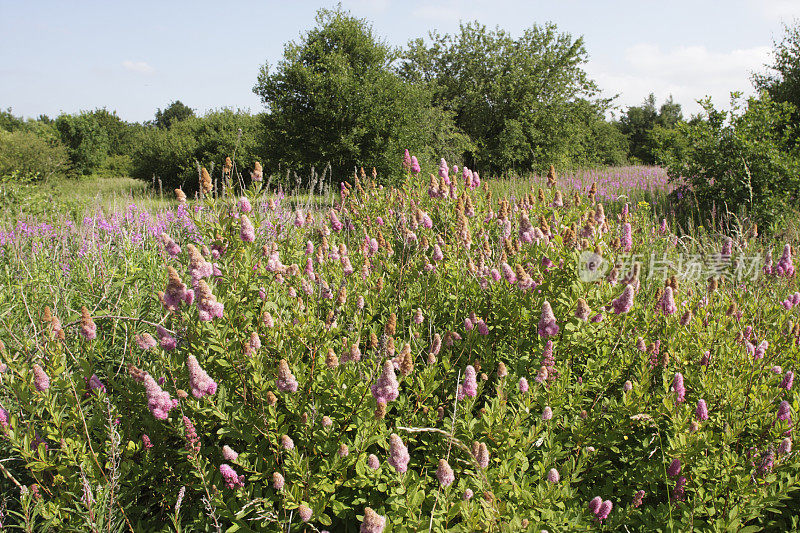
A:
{"x": 141, "y": 67}
{"x": 688, "y": 73}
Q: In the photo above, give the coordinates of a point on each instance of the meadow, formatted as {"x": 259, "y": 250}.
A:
{"x": 452, "y": 353}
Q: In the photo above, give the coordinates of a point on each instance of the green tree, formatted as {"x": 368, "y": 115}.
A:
{"x": 334, "y": 98}
{"x": 638, "y": 124}
{"x": 174, "y": 112}
{"x": 9, "y": 122}
{"x": 741, "y": 161}
{"x": 783, "y": 83}
{"x": 30, "y": 156}
{"x": 505, "y": 93}
{"x": 85, "y": 138}
{"x": 171, "y": 154}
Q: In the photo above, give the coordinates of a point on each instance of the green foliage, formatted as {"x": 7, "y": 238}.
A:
{"x": 647, "y": 129}
{"x": 30, "y": 156}
{"x": 334, "y": 98}
{"x": 744, "y": 158}
{"x": 174, "y": 112}
{"x": 9, "y": 122}
{"x": 783, "y": 84}
{"x": 170, "y": 154}
{"x": 521, "y": 101}
{"x": 86, "y": 140}
{"x": 82, "y": 456}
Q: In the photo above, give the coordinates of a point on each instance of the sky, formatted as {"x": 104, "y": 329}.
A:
{"x": 137, "y": 56}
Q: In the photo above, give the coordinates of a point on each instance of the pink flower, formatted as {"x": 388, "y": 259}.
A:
{"x": 547, "y": 413}
{"x": 470, "y": 385}
{"x": 158, "y": 401}
{"x": 547, "y": 322}
{"x": 445, "y": 473}
{"x": 624, "y": 303}
{"x": 398, "y": 454}
{"x": 674, "y": 468}
{"x": 553, "y": 476}
{"x": 677, "y": 386}
{"x": 373, "y": 522}
{"x": 277, "y": 481}
{"x": 667, "y": 302}
{"x": 523, "y": 385}
{"x": 373, "y": 462}
{"x": 604, "y": 510}
{"x": 788, "y": 380}
{"x": 286, "y": 381}
{"x": 702, "y": 410}
{"x": 232, "y": 480}
{"x": 229, "y": 454}
{"x": 200, "y": 382}
{"x": 415, "y": 168}
{"x": 386, "y": 388}
{"x": 247, "y": 231}
{"x": 244, "y": 205}
{"x": 40, "y": 379}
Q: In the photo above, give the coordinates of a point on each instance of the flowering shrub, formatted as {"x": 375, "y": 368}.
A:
{"x": 423, "y": 357}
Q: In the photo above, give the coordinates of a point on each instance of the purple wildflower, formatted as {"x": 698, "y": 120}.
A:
{"x": 553, "y": 476}
{"x": 667, "y": 302}
{"x": 386, "y": 388}
{"x": 445, "y": 473}
{"x": 788, "y": 380}
{"x": 470, "y": 385}
{"x": 547, "y": 322}
{"x": 40, "y": 379}
{"x": 229, "y": 454}
{"x": 373, "y": 522}
{"x": 286, "y": 381}
{"x": 200, "y": 382}
{"x": 784, "y": 411}
{"x": 158, "y": 400}
{"x": 232, "y": 480}
{"x": 702, "y": 410}
{"x": 398, "y": 454}
{"x": 624, "y": 303}
{"x": 677, "y": 386}
{"x": 604, "y": 510}
{"x": 674, "y": 468}
{"x": 373, "y": 462}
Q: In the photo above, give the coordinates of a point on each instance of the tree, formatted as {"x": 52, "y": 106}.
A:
{"x": 174, "y": 112}
{"x": 171, "y": 154}
{"x": 334, "y": 98}
{"x": 506, "y": 92}
{"x": 783, "y": 84}
{"x": 739, "y": 160}
{"x": 639, "y": 122}
{"x": 85, "y": 138}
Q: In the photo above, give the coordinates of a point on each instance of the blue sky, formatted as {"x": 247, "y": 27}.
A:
{"x": 134, "y": 57}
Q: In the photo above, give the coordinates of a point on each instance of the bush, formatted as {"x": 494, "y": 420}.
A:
{"x": 742, "y": 159}
{"x": 441, "y": 362}
{"x": 31, "y": 156}
{"x": 171, "y": 154}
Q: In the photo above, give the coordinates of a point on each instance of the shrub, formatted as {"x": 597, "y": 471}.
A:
{"x": 407, "y": 357}
{"x": 31, "y": 156}
{"x": 742, "y": 159}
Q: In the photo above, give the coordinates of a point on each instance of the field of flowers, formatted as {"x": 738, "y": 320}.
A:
{"x": 449, "y": 354}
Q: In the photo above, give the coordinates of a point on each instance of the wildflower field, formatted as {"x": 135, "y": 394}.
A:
{"x": 445, "y": 354}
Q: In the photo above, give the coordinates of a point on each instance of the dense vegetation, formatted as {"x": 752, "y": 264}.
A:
{"x": 394, "y": 359}
{"x": 341, "y": 99}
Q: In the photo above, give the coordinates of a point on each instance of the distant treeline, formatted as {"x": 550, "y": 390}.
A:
{"x": 341, "y": 96}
